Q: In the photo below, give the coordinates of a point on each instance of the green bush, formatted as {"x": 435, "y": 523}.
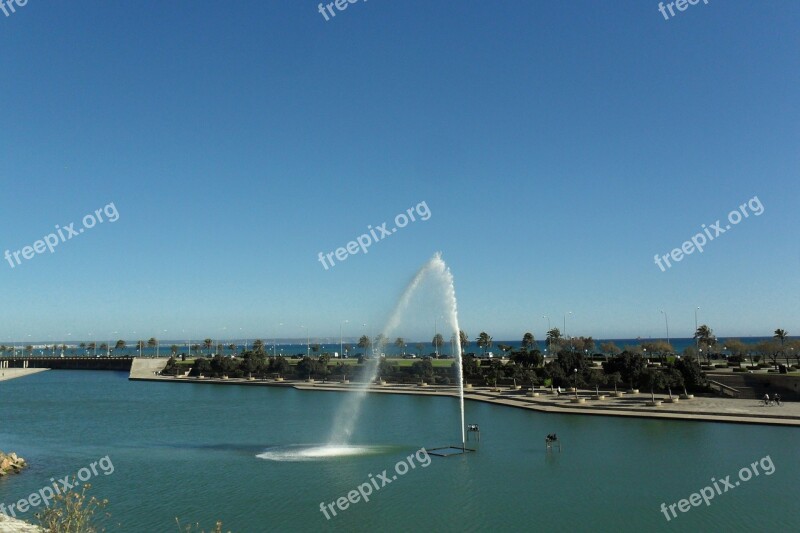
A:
{"x": 739, "y": 370}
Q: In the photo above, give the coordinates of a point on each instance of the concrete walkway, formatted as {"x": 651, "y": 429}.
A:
{"x": 13, "y": 373}
{"x": 12, "y": 525}
{"x": 712, "y": 409}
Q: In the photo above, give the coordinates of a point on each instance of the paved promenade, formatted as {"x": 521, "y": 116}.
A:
{"x": 712, "y": 409}
{"x": 13, "y": 373}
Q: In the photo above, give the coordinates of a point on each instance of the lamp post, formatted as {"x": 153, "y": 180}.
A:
{"x": 548, "y": 331}
{"x": 341, "y": 344}
{"x": 575, "y": 373}
{"x": 308, "y": 341}
{"x": 696, "y": 340}
{"x": 275, "y": 340}
{"x": 565, "y": 327}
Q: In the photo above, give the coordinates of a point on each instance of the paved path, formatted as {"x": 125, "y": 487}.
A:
{"x": 12, "y": 525}
{"x": 630, "y": 405}
{"x": 13, "y": 373}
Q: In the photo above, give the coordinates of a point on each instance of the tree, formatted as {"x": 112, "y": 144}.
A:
{"x": 438, "y": 342}
{"x": 119, "y": 346}
{"x": 152, "y": 342}
{"x": 401, "y": 344}
{"x": 597, "y": 378}
{"x": 484, "y": 341}
{"x": 673, "y": 378}
{"x": 279, "y": 365}
{"x": 691, "y": 372}
{"x": 705, "y": 338}
{"x": 504, "y": 348}
{"x": 614, "y": 378}
{"x": 781, "y": 335}
{"x": 463, "y": 339}
{"x": 309, "y": 367}
{"x": 201, "y": 366}
{"x": 207, "y": 344}
{"x": 422, "y": 369}
{"x": 258, "y": 346}
{"x": 653, "y": 379}
{"x": 315, "y": 347}
{"x": 553, "y": 337}
{"x": 609, "y": 348}
{"x": 630, "y": 366}
{"x": 364, "y": 342}
{"x": 528, "y": 342}
{"x": 173, "y": 349}
{"x": 738, "y": 350}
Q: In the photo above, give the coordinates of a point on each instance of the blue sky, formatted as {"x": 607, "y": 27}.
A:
{"x": 558, "y": 145}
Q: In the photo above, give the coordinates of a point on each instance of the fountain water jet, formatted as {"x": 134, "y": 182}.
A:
{"x": 437, "y": 270}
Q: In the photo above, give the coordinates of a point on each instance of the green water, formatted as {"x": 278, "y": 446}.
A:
{"x": 189, "y": 451}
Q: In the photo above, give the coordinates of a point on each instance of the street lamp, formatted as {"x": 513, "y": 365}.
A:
{"x": 341, "y": 344}
{"x": 275, "y": 340}
{"x": 548, "y": 331}
{"x": 308, "y": 342}
{"x": 575, "y": 373}
{"x": 565, "y": 329}
{"x": 696, "y": 339}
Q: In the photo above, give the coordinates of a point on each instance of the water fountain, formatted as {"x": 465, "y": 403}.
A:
{"x": 435, "y": 270}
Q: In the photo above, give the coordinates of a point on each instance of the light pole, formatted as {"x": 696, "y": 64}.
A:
{"x": 666, "y": 323}
{"x": 696, "y": 339}
{"x": 575, "y": 373}
{"x": 435, "y": 332}
{"x": 565, "y": 327}
{"x": 547, "y": 336}
{"x": 274, "y": 340}
{"x": 341, "y": 344}
{"x": 308, "y": 341}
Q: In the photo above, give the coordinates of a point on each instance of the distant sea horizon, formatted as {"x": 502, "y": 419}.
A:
{"x": 293, "y": 346}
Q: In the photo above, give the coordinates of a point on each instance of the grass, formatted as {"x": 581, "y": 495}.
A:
{"x": 400, "y": 362}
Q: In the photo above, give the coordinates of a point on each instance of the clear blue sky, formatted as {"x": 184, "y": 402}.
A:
{"x": 558, "y": 145}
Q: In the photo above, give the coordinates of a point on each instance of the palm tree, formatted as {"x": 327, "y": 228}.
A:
{"x": 207, "y": 344}
{"x": 29, "y": 349}
{"x": 438, "y": 342}
{"x": 258, "y": 346}
{"x": 553, "y": 337}
{"x": 464, "y": 340}
{"x": 364, "y": 342}
{"x": 484, "y": 341}
{"x": 781, "y": 335}
{"x": 120, "y": 346}
{"x": 400, "y": 343}
{"x": 528, "y": 341}
{"x": 705, "y": 336}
